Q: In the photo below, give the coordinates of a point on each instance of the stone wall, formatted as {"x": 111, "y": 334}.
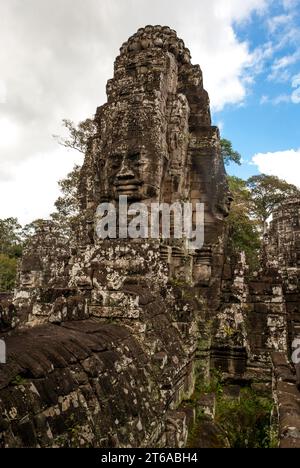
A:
{"x": 282, "y": 253}
{"x": 8, "y": 316}
{"x": 259, "y": 320}
{"x": 287, "y": 397}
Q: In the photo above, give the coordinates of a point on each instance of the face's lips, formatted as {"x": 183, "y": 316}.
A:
{"x": 127, "y": 182}
{"x": 127, "y": 186}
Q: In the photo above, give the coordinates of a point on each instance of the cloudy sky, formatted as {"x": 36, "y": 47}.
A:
{"x": 56, "y": 56}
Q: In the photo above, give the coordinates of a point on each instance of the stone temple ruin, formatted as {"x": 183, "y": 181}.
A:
{"x": 106, "y": 338}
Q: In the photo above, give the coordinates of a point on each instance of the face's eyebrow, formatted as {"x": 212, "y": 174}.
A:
{"x": 114, "y": 156}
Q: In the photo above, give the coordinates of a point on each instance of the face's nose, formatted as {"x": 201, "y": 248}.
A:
{"x": 125, "y": 171}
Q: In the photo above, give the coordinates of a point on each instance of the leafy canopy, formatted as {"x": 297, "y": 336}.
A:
{"x": 243, "y": 229}
{"x": 10, "y": 251}
{"x": 67, "y": 205}
{"x": 268, "y": 192}
{"x": 78, "y": 135}
{"x": 228, "y": 153}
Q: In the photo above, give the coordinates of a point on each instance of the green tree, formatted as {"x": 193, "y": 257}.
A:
{"x": 8, "y": 272}
{"x": 78, "y": 135}
{"x": 246, "y": 421}
{"x": 243, "y": 228}
{"x": 10, "y": 237}
{"x": 67, "y": 205}
{"x": 11, "y": 245}
{"x": 267, "y": 192}
{"x": 30, "y": 229}
{"x": 228, "y": 153}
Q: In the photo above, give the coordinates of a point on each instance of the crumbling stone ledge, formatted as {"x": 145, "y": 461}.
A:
{"x": 287, "y": 398}
{"x": 85, "y": 384}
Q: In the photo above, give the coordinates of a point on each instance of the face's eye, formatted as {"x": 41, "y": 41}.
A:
{"x": 134, "y": 158}
{"x": 115, "y": 161}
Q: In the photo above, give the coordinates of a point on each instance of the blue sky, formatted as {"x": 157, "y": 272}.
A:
{"x": 58, "y": 55}
{"x": 268, "y": 119}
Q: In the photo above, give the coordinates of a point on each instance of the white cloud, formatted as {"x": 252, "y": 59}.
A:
{"x": 58, "y": 56}
{"x": 264, "y": 99}
{"x": 296, "y": 96}
{"x": 220, "y": 126}
{"x": 286, "y": 61}
{"x": 9, "y": 133}
{"x": 238, "y": 10}
{"x": 29, "y": 188}
{"x": 278, "y": 21}
{"x": 283, "y": 164}
{"x": 2, "y": 92}
{"x": 280, "y": 67}
{"x": 296, "y": 93}
{"x": 280, "y": 99}
{"x": 285, "y": 38}
{"x": 290, "y": 4}
{"x": 296, "y": 81}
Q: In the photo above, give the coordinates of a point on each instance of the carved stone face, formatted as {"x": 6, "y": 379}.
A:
{"x": 29, "y": 279}
{"x": 125, "y": 175}
{"x": 225, "y": 204}
{"x": 134, "y": 150}
{"x": 135, "y": 173}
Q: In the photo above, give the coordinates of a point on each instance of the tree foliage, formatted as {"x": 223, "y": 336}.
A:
{"x": 30, "y": 230}
{"x": 228, "y": 153}
{"x": 77, "y": 135}
{"x": 10, "y": 237}
{"x": 10, "y": 251}
{"x": 268, "y": 192}
{"x": 254, "y": 202}
{"x": 67, "y": 205}
{"x": 8, "y": 272}
{"x": 246, "y": 421}
{"x": 243, "y": 231}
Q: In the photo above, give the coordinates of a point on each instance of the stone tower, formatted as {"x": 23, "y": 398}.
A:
{"x": 282, "y": 250}
{"x": 154, "y": 143}
{"x": 120, "y": 327}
